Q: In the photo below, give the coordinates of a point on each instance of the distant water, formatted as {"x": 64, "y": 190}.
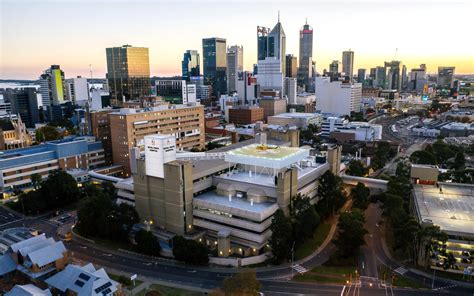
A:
{"x": 16, "y": 85}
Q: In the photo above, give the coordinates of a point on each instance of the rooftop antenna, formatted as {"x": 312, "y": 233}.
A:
{"x": 306, "y": 20}
{"x": 396, "y": 52}
{"x": 90, "y": 70}
{"x": 278, "y": 15}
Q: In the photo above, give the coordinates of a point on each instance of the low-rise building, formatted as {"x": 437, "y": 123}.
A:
{"x": 357, "y": 131}
{"x": 17, "y": 166}
{"x": 28, "y": 290}
{"x": 84, "y": 280}
{"x": 245, "y": 114}
{"x": 13, "y": 133}
{"x": 300, "y": 120}
{"x": 272, "y": 106}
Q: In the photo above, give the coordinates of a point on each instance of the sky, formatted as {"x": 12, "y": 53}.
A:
{"x": 75, "y": 33}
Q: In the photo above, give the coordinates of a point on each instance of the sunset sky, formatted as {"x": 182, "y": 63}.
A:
{"x": 74, "y": 34}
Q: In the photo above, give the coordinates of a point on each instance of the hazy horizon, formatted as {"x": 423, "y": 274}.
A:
{"x": 74, "y": 34}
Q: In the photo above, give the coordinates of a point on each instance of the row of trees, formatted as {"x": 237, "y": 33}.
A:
{"x": 190, "y": 251}
{"x": 58, "y": 190}
{"x": 409, "y": 236}
{"x": 440, "y": 153}
{"x": 291, "y": 231}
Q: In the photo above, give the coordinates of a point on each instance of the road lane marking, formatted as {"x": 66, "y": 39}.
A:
{"x": 299, "y": 268}
{"x": 401, "y": 270}
{"x": 343, "y": 289}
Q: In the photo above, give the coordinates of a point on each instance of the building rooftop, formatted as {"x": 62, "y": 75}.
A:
{"x": 297, "y": 115}
{"x": 270, "y": 156}
{"x": 451, "y": 207}
{"x": 28, "y": 290}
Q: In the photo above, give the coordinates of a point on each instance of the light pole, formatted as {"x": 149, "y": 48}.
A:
{"x": 432, "y": 283}
{"x": 292, "y": 258}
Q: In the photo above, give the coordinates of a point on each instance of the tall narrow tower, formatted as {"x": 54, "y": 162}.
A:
{"x": 306, "y": 56}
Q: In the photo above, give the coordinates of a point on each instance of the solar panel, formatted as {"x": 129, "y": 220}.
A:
{"x": 103, "y": 287}
{"x": 84, "y": 276}
{"x": 106, "y": 292}
{"x": 79, "y": 283}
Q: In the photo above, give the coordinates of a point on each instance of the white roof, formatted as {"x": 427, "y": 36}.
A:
{"x": 27, "y": 242}
{"x": 28, "y": 290}
{"x": 47, "y": 254}
{"x": 7, "y": 264}
{"x": 84, "y": 281}
{"x": 24, "y": 251}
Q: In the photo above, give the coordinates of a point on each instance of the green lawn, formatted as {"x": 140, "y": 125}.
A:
{"x": 117, "y": 279}
{"x": 399, "y": 281}
{"x": 320, "y": 234}
{"x": 167, "y": 291}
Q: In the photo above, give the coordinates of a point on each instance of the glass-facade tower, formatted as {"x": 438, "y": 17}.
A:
{"x": 215, "y": 64}
{"x": 191, "y": 64}
{"x": 128, "y": 73}
{"x": 306, "y": 56}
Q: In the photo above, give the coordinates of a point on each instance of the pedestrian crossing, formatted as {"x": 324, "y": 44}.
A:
{"x": 401, "y": 270}
{"x": 299, "y": 268}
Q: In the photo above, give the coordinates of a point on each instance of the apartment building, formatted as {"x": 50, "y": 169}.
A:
{"x": 130, "y": 126}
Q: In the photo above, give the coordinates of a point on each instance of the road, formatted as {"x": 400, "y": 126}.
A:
{"x": 373, "y": 255}
{"x": 274, "y": 280}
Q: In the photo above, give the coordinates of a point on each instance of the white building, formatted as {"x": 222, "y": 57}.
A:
{"x": 300, "y": 120}
{"x": 189, "y": 93}
{"x": 332, "y": 122}
{"x": 270, "y": 74}
{"x": 247, "y": 88}
{"x": 290, "y": 90}
{"x": 337, "y": 97}
{"x": 96, "y": 99}
{"x": 358, "y": 131}
{"x": 77, "y": 90}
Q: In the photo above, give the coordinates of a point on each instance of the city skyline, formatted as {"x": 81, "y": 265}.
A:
{"x": 71, "y": 34}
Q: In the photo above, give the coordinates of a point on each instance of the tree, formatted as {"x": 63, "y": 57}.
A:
{"x": 360, "y": 196}
{"x": 304, "y": 218}
{"x": 423, "y": 157}
{"x": 48, "y": 133}
{"x": 243, "y": 283}
{"x": 190, "y": 251}
{"x": 331, "y": 194}
{"x": 382, "y": 153}
{"x": 425, "y": 237}
{"x": 147, "y": 243}
{"x": 60, "y": 188}
{"x": 36, "y": 180}
{"x": 356, "y": 168}
{"x": 281, "y": 240}
{"x": 351, "y": 233}
{"x": 459, "y": 161}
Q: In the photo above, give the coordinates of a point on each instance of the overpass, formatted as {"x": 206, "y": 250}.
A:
{"x": 374, "y": 184}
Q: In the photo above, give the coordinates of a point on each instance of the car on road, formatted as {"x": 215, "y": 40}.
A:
{"x": 465, "y": 260}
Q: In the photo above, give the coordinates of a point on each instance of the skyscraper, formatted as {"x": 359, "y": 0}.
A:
{"x": 52, "y": 88}
{"x": 334, "y": 67}
{"x": 291, "y": 66}
{"x": 271, "y": 57}
{"x": 360, "y": 75}
{"x": 446, "y": 77}
{"x": 235, "y": 64}
{"x": 215, "y": 64}
{"x": 306, "y": 56}
{"x": 380, "y": 77}
{"x": 77, "y": 90}
{"x": 25, "y": 103}
{"x": 394, "y": 75}
{"x": 190, "y": 64}
{"x": 128, "y": 73}
{"x": 348, "y": 64}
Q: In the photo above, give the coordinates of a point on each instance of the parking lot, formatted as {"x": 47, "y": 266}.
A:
{"x": 7, "y": 216}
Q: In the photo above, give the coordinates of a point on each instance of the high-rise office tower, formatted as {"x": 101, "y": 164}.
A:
{"x": 446, "y": 77}
{"x": 372, "y": 73}
{"x": 348, "y": 64}
{"x": 271, "y": 57}
{"x": 190, "y": 64}
{"x": 235, "y": 64}
{"x": 305, "y": 71}
{"x": 215, "y": 64}
{"x": 52, "y": 88}
{"x": 380, "y": 77}
{"x": 394, "y": 75}
{"x": 360, "y": 75}
{"x": 128, "y": 73}
{"x": 291, "y": 66}
{"x": 334, "y": 67}
{"x": 417, "y": 79}
{"x": 25, "y": 103}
